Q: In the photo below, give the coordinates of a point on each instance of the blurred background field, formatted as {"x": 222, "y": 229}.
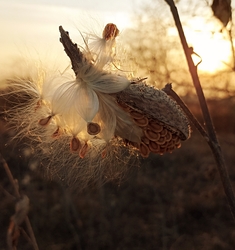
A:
{"x": 175, "y": 201}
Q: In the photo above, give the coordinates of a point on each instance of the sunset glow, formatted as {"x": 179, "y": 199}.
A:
{"x": 211, "y": 45}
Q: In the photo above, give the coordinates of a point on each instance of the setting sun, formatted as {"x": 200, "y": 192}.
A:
{"x": 213, "y": 48}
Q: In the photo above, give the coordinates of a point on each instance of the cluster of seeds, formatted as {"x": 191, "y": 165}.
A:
{"x": 156, "y": 138}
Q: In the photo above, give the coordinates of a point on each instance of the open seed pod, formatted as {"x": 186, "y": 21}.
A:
{"x": 162, "y": 121}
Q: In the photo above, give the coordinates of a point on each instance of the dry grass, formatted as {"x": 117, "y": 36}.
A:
{"x": 175, "y": 201}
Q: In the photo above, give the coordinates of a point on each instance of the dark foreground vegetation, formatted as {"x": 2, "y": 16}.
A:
{"x": 175, "y": 201}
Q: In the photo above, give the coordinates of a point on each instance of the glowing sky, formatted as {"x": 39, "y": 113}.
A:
{"x": 31, "y": 26}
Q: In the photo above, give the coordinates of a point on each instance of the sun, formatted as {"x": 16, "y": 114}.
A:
{"x": 212, "y": 47}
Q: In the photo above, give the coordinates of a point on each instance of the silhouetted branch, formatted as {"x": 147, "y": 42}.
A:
{"x": 213, "y": 141}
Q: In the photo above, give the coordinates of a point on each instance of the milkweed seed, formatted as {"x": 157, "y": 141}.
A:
{"x": 176, "y": 140}
{"x": 110, "y": 31}
{"x": 141, "y": 122}
{"x": 168, "y": 136}
{"x": 161, "y": 140}
{"x": 93, "y": 128}
{"x": 151, "y": 135}
{"x": 124, "y": 106}
{"x": 136, "y": 115}
{"x": 163, "y": 132}
{"x": 104, "y": 153}
{"x": 178, "y": 145}
{"x": 144, "y": 150}
{"x": 45, "y": 121}
{"x": 56, "y": 133}
{"x": 155, "y": 126}
{"x": 145, "y": 140}
{"x": 83, "y": 151}
{"x": 154, "y": 147}
{"x": 75, "y": 144}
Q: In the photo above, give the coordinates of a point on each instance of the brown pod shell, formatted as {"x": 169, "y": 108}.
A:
{"x": 157, "y": 106}
{"x": 151, "y": 135}
{"x": 93, "y": 128}
{"x": 45, "y": 121}
{"x": 144, "y": 150}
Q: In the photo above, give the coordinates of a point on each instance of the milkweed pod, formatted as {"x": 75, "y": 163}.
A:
{"x": 93, "y": 128}
{"x": 45, "y": 121}
{"x": 75, "y": 144}
{"x": 144, "y": 150}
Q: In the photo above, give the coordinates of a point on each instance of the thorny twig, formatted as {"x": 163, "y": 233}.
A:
{"x": 213, "y": 141}
{"x": 17, "y": 195}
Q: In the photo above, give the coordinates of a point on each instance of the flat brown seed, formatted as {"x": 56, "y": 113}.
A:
{"x": 93, "y": 128}
{"x": 144, "y": 150}
{"x": 155, "y": 126}
{"x": 163, "y": 133}
{"x": 75, "y": 144}
{"x": 124, "y": 106}
{"x": 178, "y": 145}
{"x": 56, "y": 133}
{"x": 168, "y": 136}
{"x": 83, "y": 151}
{"x": 176, "y": 140}
{"x": 151, "y": 135}
{"x": 161, "y": 140}
{"x": 145, "y": 140}
{"x": 104, "y": 153}
{"x": 45, "y": 121}
{"x": 141, "y": 122}
{"x": 154, "y": 147}
{"x": 136, "y": 115}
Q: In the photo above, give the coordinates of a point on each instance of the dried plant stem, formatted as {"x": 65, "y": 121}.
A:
{"x": 232, "y": 47}
{"x": 17, "y": 194}
{"x": 169, "y": 91}
{"x": 213, "y": 141}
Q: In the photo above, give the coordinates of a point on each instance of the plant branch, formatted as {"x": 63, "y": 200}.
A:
{"x": 169, "y": 91}
{"x": 17, "y": 195}
{"x": 213, "y": 141}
